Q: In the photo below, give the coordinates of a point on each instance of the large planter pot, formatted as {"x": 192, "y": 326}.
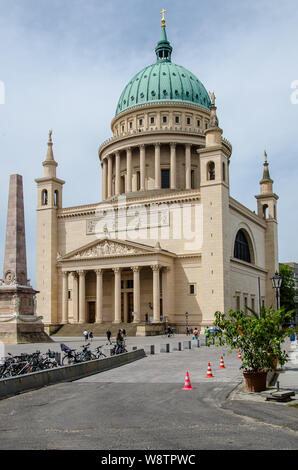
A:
{"x": 255, "y": 381}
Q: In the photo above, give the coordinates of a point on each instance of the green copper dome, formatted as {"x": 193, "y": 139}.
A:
{"x": 164, "y": 82}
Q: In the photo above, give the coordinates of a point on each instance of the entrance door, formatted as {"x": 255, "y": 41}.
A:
{"x": 91, "y": 312}
{"x": 129, "y": 307}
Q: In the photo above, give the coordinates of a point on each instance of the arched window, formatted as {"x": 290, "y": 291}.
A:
{"x": 211, "y": 171}
{"x": 241, "y": 247}
{"x": 56, "y": 198}
{"x": 44, "y": 197}
{"x": 265, "y": 211}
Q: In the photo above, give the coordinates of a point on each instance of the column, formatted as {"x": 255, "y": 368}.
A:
{"x": 187, "y": 167}
{"x": 104, "y": 179}
{"x": 99, "y": 296}
{"x": 110, "y": 162}
{"x": 82, "y": 297}
{"x": 125, "y": 307}
{"x": 157, "y": 166}
{"x": 142, "y": 167}
{"x": 164, "y": 286}
{"x": 117, "y": 174}
{"x": 156, "y": 294}
{"x": 64, "y": 297}
{"x": 136, "y": 293}
{"x": 75, "y": 292}
{"x": 128, "y": 170}
{"x": 117, "y": 315}
{"x": 173, "y": 165}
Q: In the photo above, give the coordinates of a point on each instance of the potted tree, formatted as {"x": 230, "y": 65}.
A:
{"x": 259, "y": 337}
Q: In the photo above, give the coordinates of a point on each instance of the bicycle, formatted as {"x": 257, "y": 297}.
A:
{"x": 99, "y": 352}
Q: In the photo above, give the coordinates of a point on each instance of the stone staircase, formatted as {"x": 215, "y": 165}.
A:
{"x": 97, "y": 329}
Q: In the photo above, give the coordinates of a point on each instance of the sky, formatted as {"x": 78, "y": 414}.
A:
{"x": 64, "y": 64}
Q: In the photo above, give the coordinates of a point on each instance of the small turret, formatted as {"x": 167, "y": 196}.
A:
{"x": 50, "y": 164}
{"x": 266, "y": 199}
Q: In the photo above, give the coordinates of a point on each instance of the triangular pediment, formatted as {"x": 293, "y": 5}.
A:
{"x": 108, "y": 248}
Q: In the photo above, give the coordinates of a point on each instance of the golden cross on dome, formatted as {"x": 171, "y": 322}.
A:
{"x": 163, "y": 20}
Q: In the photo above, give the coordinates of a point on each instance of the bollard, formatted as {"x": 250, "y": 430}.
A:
{"x": 165, "y": 348}
{"x": 149, "y": 349}
{"x": 195, "y": 343}
{"x": 177, "y": 346}
{"x": 186, "y": 344}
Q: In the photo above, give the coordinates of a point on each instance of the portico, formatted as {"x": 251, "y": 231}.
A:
{"x": 100, "y": 285}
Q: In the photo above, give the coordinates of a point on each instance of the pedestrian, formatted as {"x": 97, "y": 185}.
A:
{"x": 124, "y": 332}
{"x": 292, "y": 337}
{"x": 91, "y": 336}
{"x": 195, "y": 333}
{"x": 207, "y": 334}
{"x": 108, "y": 333}
{"x": 86, "y": 335}
{"x": 187, "y": 331}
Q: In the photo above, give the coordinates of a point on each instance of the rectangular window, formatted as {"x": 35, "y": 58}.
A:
{"x": 140, "y": 122}
{"x": 165, "y": 179}
{"x": 164, "y": 119}
{"x": 152, "y": 120}
{"x": 237, "y": 303}
{"x": 198, "y": 123}
{"x": 130, "y": 125}
{"x": 138, "y": 180}
{"x": 69, "y": 295}
{"x": 192, "y": 289}
{"x": 177, "y": 119}
{"x": 253, "y": 303}
{"x": 122, "y": 284}
{"x": 129, "y": 284}
{"x": 192, "y": 179}
{"x": 245, "y": 304}
{"x": 188, "y": 121}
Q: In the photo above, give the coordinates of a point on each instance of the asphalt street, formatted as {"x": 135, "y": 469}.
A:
{"x": 141, "y": 406}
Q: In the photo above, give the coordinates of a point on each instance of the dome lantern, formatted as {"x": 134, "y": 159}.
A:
{"x": 163, "y": 49}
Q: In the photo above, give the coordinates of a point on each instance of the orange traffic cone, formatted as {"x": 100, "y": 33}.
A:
{"x": 222, "y": 366}
{"x": 209, "y": 371}
{"x": 239, "y": 354}
{"x": 187, "y": 385}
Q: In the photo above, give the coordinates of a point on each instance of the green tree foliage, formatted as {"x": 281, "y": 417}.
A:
{"x": 259, "y": 337}
{"x": 287, "y": 290}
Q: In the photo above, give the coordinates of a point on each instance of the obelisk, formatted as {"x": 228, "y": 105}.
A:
{"x": 18, "y": 320}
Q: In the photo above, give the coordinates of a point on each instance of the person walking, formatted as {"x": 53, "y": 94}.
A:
{"x": 207, "y": 334}
{"x": 91, "y": 336}
{"x": 86, "y": 335}
{"x": 187, "y": 331}
{"x": 108, "y": 334}
{"x": 195, "y": 333}
{"x": 124, "y": 332}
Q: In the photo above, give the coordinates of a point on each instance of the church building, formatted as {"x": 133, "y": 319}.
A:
{"x": 167, "y": 243}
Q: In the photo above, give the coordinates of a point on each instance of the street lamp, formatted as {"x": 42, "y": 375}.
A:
{"x": 276, "y": 284}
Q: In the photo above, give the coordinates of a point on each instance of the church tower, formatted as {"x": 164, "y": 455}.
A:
{"x": 214, "y": 188}
{"x": 49, "y": 200}
{"x": 267, "y": 202}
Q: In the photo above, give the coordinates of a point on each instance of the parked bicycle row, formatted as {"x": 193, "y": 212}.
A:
{"x": 25, "y": 363}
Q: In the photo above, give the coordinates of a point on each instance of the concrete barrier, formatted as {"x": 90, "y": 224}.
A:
{"x": 165, "y": 348}
{"x": 23, "y": 383}
{"x": 186, "y": 344}
{"x": 195, "y": 343}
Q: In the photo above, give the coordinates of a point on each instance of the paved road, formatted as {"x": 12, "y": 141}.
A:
{"x": 141, "y": 406}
